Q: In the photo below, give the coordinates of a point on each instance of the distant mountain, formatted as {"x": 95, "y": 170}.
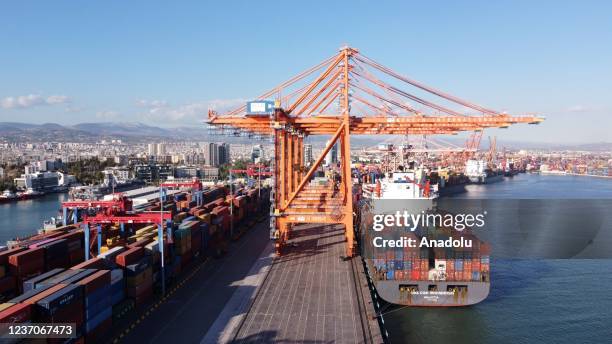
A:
{"x": 140, "y": 132}
{"x": 92, "y": 132}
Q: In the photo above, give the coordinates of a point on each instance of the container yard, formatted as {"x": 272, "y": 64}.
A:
{"x": 56, "y": 277}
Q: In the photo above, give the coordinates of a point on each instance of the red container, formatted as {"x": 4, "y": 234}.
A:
{"x": 476, "y": 264}
{"x": 27, "y": 256}
{"x": 4, "y": 256}
{"x": 415, "y": 275}
{"x": 95, "y": 281}
{"x": 131, "y": 256}
{"x": 72, "y": 313}
{"x": 7, "y": 283}
{"x": 30, "y": 268}
{"x": 18, "y": 313}
{"x": 76, "y": 256}
{"x": 44, "y": 294}
{"x": 140, "y": 289}
{"x": 94, "y": 263}
{"x": 72, "y": 236}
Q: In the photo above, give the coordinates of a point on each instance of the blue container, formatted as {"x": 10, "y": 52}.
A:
{"x": 116, "y": 276}
{"x": 399, "y": 265}
{"x": 117, "y": 297}
{"x": 28, "y": 294}
{"x": 92, "y": 310}
{"x": 407, "y": 265}
{"x": 59, "y": 278}
{"x": 117, "y": 287}
{"x": 189, "y": 218}
{"x": 31, "y": 283}
{"x": 79, "y": 276}
{"x": 399, "y": 254}
{"x": 458, "y": 264}
{"x": 91, "y": 324}
{"x": 62, "y": 298}
{"x": 97, "y": 295}
{"x": 475, "y": 276}
{"x": 390, "y": 275}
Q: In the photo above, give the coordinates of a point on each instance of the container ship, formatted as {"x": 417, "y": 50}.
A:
{"x": 478, "y": 172}
{"x": 420, "y": 276}
{"x": 59, "y": 277}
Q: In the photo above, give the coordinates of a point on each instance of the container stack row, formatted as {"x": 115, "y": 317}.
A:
{"x": 50, "y": 281}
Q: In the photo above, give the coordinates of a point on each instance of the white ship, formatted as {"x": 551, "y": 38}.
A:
{"x": 479, "y": 173}
{"x": 411, "y": 187}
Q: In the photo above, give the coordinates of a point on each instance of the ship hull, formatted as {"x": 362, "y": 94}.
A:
{"x": 486, "y": 179}
{"x": 428, "y": 293}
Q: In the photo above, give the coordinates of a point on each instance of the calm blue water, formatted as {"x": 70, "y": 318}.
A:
{"x": 531, "y": 301}
{"x": 19, "y": 219}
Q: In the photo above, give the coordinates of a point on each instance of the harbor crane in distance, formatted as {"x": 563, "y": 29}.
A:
{"x": 346, "y": 94}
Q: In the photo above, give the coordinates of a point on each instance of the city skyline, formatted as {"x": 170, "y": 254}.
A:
{"x": 167, "y": 66}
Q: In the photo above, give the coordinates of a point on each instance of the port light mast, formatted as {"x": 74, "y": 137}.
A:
{"x": 346, "y": 94}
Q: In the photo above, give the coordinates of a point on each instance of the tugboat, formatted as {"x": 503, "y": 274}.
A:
{"x": 8, "y": 196}
{"x": 29, "y": 194}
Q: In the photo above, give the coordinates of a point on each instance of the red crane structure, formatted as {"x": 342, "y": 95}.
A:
{"x": 346, "y": 94}
{"x": 119, "y": 203}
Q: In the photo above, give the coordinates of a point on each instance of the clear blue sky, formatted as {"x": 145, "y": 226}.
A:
{"x": 164, "y": 63}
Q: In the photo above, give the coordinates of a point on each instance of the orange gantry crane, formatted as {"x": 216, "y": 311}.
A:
{"x": 346, "y": 94}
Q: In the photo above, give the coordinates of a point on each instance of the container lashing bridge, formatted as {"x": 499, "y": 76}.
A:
{"x": 346, "y": 94}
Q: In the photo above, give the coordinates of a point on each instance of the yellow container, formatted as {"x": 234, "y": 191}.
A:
{"x": 205, "y": 218}
{"x": 6, "y": 305}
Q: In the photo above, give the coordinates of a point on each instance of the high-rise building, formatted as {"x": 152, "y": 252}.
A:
{"x": 257, "y": 153}
{"x": 308, "y": 159}
{"x": 211, "y": 154}
{"x": 152, "y": 149}
{"x": 332, "y": 156}
{"x": 161, "y": 149}
{"x": 223, "y": 153}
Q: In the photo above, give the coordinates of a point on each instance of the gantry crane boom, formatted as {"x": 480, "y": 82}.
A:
{"x": 323, "y": 106}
